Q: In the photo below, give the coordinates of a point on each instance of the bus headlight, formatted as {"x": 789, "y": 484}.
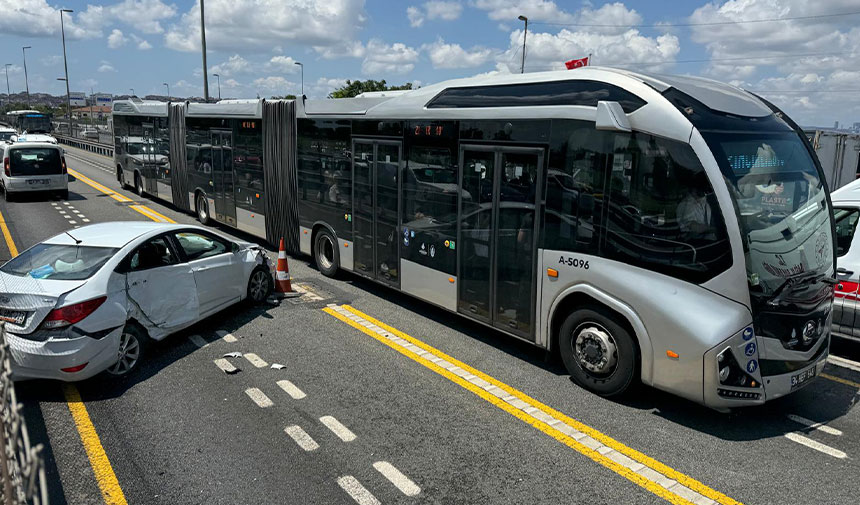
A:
{"x": 724, "y": 374}
{"x": 731, "y": 373}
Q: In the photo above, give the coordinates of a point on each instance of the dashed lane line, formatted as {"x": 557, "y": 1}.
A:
{"x": 259, "y": 398}
{"x": 225, "y": 365}
{"x": 650, "y": 474}
{"x": 291, "y": 389}
{"x": 818, "y": 446}
{"x": 301, "y": 438}
{"x": 255, "y": 360}
{"x": 338, "y": 429}
{"x": 226, "y": 337}
{"x": 142, "y": 209}
{"x": 814, "y": 425}
{"x": 396, "y": 477}
{"x": 356, "y": 491}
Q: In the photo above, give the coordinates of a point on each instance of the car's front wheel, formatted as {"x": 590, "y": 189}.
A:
{"x": 132, "y": 343}
{"x": 259, "y": 285}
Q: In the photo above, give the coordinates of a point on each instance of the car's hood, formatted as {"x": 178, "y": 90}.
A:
{"x": 31, "y": 299}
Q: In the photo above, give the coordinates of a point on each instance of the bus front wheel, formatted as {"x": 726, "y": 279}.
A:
{"x": 202, "y": 209}
{"x": 598, "y": 352}
{"x": 326, "y": 253}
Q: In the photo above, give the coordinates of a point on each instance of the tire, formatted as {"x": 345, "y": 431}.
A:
{"x": 597, "y": 331}
{"x": 138, "y": 184}
{"x": 260, "y": 285}
{"x": 132, "y": 350}
{"x": 10, "y": 197}
{"x": 202, "y": 209}
{"x": 326, "y": 253}
{"x": 120, "y": 178}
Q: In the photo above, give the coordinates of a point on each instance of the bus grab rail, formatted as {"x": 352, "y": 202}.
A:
{"x": 86, "y": 145}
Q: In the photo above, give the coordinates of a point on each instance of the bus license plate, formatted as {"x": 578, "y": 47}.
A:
{"x": 37, "y": 181}
{"x": 13, "y": 316}
{"x": 802, "y": 378}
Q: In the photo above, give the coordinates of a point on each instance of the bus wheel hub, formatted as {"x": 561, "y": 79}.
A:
{"x": 595, "y": 350}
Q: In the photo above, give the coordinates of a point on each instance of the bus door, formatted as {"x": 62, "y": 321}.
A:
{"x": 376, "y": 208}
{"x": 150, "y": 169}
{"x": 497, "y": 237}
{"x": 222, "y": 176}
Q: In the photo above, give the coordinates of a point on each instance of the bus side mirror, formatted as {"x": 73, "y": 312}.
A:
{"x": 610, "y": 116}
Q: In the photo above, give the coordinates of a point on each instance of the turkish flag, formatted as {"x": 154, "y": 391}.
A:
{"x": 576, "y": 63}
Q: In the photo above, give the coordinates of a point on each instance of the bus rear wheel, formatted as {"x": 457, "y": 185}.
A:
{"x": 326, "y": 253}
{"x": 598, "y": 352}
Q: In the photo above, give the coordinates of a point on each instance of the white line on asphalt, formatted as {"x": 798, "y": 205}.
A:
{"x": 301, "y": 438}
{"x": 291, "y": 389}
{"x": 259, "y": 397}
{"x": 812, "y": 424}
{"x": 85, "y": 220}
{"x": 226, "y": 366}
{"x": 844, "y": 363}
{"x": 198, "y": 341}
{"x": 73, "y": 222}
{"x": 55, "y": 204}
{"x": 396, "y": 477}
{"x": 226, "y": 337}
{"x": 62, "y": 212}
{"x": 337, "y": 428}
{"x": 818, "y": 446}
{"x": 354, "y": 489}
{"x": 255, "y": 360}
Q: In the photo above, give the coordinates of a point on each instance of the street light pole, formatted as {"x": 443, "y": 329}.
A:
{"x": 203, "y": 43}
{"x": 168, "y": 90}
{"x": 132, "y": 92}
{"x": 8, "y": 98}
{"x": 92, "y": 100}
{"x": 66, "y": 66}
{"x": 219, "y": 85}
{"x": 26, "y": 80}
{"x": 303, "y": 77}
{"x": 525, "y": 34}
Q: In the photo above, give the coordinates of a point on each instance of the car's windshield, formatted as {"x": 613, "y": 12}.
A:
{"x": 59, "y": 262}
{"x": 780, "y": 203}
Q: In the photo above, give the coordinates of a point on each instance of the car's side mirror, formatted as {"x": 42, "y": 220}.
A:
{"x": 610, "y": 116}
{"x": 234, "y": 247}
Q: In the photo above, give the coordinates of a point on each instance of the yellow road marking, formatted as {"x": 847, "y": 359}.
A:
{"x": 142, "y": 209}
{"x": 607, "y": 441}
{"x": 8, "y": 236}
{"x": 841, "y": 380}
{"x": 105, "y": 476}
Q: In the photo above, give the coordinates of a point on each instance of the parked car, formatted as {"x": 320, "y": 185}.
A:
{"x": 90, "y": 134}
{"x": 846, "y": 310}
{"x": 33, "y": 166}
{"x": 93, "y": 299}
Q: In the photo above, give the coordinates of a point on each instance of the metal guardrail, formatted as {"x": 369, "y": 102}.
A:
{"x": 87, "y": 145}
{"x": 21, "y": 466}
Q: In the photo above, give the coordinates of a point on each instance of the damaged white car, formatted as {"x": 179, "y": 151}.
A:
{"x": 90, "y": 300}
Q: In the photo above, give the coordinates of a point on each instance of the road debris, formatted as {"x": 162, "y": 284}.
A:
{"x": 234, "y": 354}
{"x": 278, "y": 366}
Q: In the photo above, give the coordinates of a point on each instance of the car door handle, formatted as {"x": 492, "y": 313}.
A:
{"x": 202, "y": 269}
{"x": 844, "y": 271}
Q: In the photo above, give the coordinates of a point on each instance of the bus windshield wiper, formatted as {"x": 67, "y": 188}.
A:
{"x": 784, "y": 288}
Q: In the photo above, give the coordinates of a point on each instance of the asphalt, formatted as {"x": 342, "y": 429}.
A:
{"x": 180, "y": 430}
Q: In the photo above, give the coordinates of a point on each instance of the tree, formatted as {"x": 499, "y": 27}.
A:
{"x": 354, "y": 88}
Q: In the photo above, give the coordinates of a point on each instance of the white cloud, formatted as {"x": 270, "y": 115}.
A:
{"x": 106, "y": 67}
{"x": 235, "y": 24}
{"x": 144, "y": 15}
{"x": 435, "y": 9}
{"x": 234, "y": 65}
{"x": 275, "y": 85}
{"x": 52, "y": 60}
{"x": 283, "y": 64}
{"x": 535, "y": 10}
{"x": 144, "y": 45}
{"x": 323, "y": 86}
{"x": 443, "y": 55}
{"x": 348, "y": 49}
{"x": 382, "y": 58}
{"x": 116, "y": 39}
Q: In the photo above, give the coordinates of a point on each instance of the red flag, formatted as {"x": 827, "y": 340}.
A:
{"x": 576, "y": 63}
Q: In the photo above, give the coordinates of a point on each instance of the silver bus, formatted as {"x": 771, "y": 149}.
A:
{"x": 671, "y": 230}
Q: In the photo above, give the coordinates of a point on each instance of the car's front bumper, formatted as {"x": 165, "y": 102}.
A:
{"x": 45, "y": 360}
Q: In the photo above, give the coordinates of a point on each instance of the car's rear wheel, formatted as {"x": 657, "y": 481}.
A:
{"x": 326, "y": 253}
{"x": 202, "y": 209}
{"x": 259, "y": 285}
{"x": 132, "y": 343}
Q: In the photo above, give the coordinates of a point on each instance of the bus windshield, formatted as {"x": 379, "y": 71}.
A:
{"x": 781, "y": 204}
{"x": 36, "y": 123}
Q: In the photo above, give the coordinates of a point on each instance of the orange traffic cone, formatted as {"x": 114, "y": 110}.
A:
{"x": 282, "y": 274}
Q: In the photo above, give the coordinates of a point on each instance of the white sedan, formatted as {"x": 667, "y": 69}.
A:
{"x": 90, "y": 300}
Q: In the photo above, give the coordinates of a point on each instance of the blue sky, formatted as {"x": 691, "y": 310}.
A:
{"x": 808, "y": 66}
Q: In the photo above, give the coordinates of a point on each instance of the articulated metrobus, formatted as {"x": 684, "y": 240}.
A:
{"x": 672, "y": 230}
{"x": 30, "y": 121}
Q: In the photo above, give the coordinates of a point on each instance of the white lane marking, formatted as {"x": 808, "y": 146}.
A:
{"x": 396, "y": 477}
{"x": 85, "y": 220}
{"x": 259, "y": 397}
{"x": 198, "y": 341}
{"x": 67, "y": 204}
{"x": 818, "y": 446}
{"x": 62, "y": 212}
{"x": 225, "y": 365}
{"x": 226, "y": 337}
{"x": 73, "y": 222}
{"x": 337, "y": 428}
{"x": 301, "y": 438}
{"x": 291, "y": 389}
{"x": 844, "y": 363}
{"x": 355, "y": 490}
{"x": 255, "y": 360}
{"x": 55, "y": 204}
{"x": 814, "y": 425}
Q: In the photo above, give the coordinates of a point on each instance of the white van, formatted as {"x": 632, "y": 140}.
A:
{"x": 33, "y": 166}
